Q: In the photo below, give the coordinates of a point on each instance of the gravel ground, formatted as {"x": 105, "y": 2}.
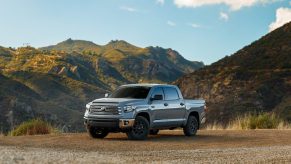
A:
{"x": 254, "y": 146}
{"x": 273, "y": 154}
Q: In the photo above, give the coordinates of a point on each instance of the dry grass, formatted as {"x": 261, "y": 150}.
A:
{"x": 33, "y": 127}
{"x": 283, "y": 125}
{"x": 260, "y": 121}
{"x": 214, "y": 126}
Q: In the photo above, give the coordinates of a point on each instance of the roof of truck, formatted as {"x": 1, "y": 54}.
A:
{"x": 147, "y": 85}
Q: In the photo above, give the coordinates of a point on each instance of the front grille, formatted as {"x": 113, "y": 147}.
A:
{"x": 104, "y": 110}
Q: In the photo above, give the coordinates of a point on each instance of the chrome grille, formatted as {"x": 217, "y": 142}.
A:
{"x": 104, "y": 110}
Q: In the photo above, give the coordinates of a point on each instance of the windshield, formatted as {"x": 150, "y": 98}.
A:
{"x": 133, "y": 92}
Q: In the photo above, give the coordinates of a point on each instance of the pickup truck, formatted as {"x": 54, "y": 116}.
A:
{"x": 142, "y": 109}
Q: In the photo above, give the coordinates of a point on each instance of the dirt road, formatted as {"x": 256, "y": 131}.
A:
{"x": 254, "y": 146}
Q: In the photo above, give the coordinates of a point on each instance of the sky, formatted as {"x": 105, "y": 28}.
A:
{"x": 200, "y": 30}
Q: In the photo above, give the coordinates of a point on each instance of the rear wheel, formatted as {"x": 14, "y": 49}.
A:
{"x": 190, "y": 129}
{"x": 154, "y": 131}
{"x": 97, "y": 132}
{"x": 140, "y": 129}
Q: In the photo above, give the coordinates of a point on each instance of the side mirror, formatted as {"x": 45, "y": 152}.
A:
{"x": 106, "y": 95}
{"x": 157, "y": 97}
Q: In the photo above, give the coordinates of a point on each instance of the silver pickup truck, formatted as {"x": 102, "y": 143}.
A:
{"x": 142, "y": 109}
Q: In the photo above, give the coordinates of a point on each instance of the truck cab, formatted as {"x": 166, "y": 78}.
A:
{"x": 142, "y": 109}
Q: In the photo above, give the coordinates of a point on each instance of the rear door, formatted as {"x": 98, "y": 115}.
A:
{"x": 174, "y": 106}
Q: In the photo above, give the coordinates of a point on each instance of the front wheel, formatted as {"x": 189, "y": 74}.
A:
{"x": 140, "y": 129}
{"x": 190, "y": 129}
{"x": 96, "y": 132}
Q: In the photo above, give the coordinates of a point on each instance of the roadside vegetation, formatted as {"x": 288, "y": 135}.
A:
{"x": 33, "y": 127}
{"x": 252, "y": 121}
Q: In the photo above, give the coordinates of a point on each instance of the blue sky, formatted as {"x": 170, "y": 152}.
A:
{"x": 200, "y": 30}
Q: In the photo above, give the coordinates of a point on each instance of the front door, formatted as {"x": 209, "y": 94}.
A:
{"x": 157, "y": 107}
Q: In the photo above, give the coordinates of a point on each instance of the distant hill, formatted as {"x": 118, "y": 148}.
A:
{"x": 74, "y": 45}
{"x": 119, "y": 62}
{"x": 257, "y": 78}
{"x": 55, "y": 82}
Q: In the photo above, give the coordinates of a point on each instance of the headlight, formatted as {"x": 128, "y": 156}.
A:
{"x": 129, "y": 108}
{"x": 88, "y": 106}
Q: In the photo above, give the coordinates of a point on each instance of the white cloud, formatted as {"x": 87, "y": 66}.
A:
{"x": 224, "y": 16}
{"x": 194, "y": 25}
{"x": 233, "y": 4}
{"x": 170, "y": 23}
{"x": 283, "y": 15}
{"x": 161, "y": 2}
{"x": 129, "y": 9}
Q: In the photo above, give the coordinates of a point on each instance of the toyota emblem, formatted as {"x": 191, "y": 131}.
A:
{"x": 103, "y": 108}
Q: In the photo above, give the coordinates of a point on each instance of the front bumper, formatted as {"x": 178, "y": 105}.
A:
{"x": 109, "y": 123}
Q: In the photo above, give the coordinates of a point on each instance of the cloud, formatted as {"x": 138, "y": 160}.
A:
{"x": 194, "y": 25}
{"x": 160, "y": 2}
{"x": 283, "y": 15}
{"x": 170, "y": 23}
{"x": 223, "y": 16}
{"x": 129, "y": 9}
{"x": 233, "y": 4}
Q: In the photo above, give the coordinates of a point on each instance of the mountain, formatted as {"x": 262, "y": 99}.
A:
{"x": 119, "y": 62}
{"x": 70, "y": 46}
{"x": 54, "y": 83}
{"x": 257, "y": 79}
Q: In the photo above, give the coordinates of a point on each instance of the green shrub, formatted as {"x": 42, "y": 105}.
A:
{"x": 33, "y": 127}
{"x": 256, "y": 121}
{"x": 252, "y": 121}
{"x": 267, "y": 121}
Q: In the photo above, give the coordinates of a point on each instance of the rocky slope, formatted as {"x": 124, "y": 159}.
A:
{"x": 257, "y": 79}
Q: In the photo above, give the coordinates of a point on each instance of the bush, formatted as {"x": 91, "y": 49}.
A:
{"x": 252, "y": 121}
{"x": 260, "y": 121}
{"x": 266, "y": 121}
{"x": 33, "y": 127}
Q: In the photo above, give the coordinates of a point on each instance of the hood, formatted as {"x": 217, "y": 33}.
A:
{"x": 120, "y": 101}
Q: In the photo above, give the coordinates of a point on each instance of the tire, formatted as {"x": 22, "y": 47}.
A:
{"x": 97, "y": 133}
{"x": 190, "y": 129}
{"x": 140, "y": 129}
{"x": 154, "y": 131}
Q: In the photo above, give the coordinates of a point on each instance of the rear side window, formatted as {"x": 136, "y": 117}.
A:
{"x": 171, "y": 93}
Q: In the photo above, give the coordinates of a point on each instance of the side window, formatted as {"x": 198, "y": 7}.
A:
{"x": 158, "y": 91}
{"x": 171, "y": 93}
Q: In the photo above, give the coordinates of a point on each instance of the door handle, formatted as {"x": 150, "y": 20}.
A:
{"x": 182, "y": 104}
{"x": 166, "y": 104}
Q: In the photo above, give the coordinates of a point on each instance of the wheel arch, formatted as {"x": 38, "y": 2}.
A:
{"x": 196, "y": 115}
{"x": 145, "y": 115}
